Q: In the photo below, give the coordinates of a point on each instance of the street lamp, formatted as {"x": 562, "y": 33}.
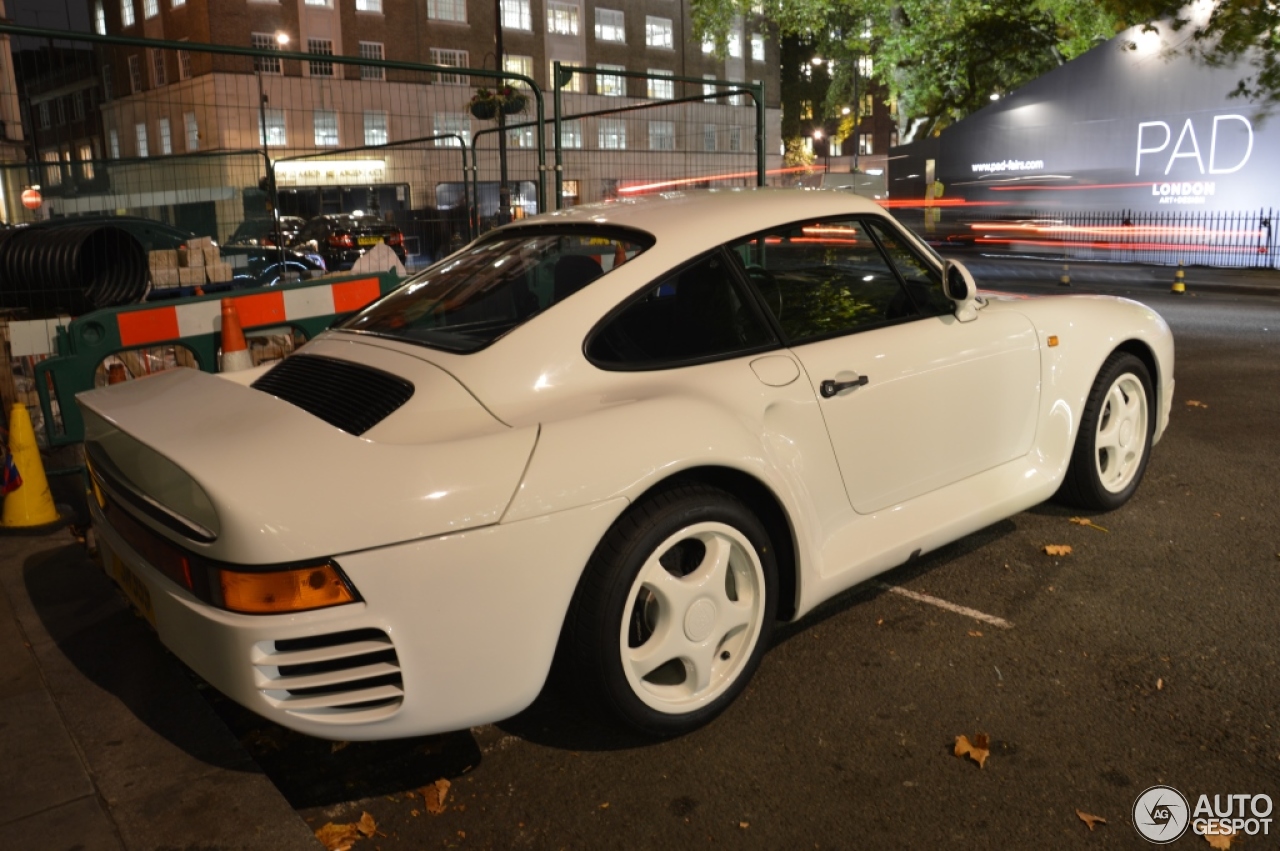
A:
{"x": 504, "y": 191}
{"x": 282, "y": 39}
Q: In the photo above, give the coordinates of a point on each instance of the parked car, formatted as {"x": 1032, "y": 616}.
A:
{"x": 343, "y": 238}
{"x": 629, "y": 436}
{"x": 258, "y": 251}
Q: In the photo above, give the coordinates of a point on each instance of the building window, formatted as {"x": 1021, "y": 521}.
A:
{"x": 562, "y": 18}
{"x": 141, "y": 131}
{"x": 708, "y": 45}
{"x": 113, "y": 143}
{"x": 52, "y": 173}
{"x": 866, "y": 66}
{"x": 45, "y": 120}
{"x": 735, "y": 40}
{"x": 612, "y": 134}
{"x": 609, "y": 26}
{"x": 709, "y": 90}
{"x": 864, "y": 144}
{"x": 452, "y": 59}
{"x": 516, "y": 15}
{"x": 184, "y": 64}
{"x": 369, "y": 6}
{"x": 325, "y": 122}
{"x": 372, "y": 50}
{"x": 708, "y": 137}
{"x": 320, "y": 47}
{"x": 573, "y": 84}
{"x": 835, "y": 147}
{"x": 806, "y": 110}
{"x": 521, "y": 137}
{"x": 106, "y": 82}
{"x": 324, "y": 3}
{"x": 150, "y": 8}
{"x": 166, "y": 137}
{"x": 757, "y": 47}
{"x": 610, "y": 84}
{"x": 447, "y": 10}
{"x": 127, "y": 18}
{"x": 265, "y": 64}
{"x": 193, "y": 131}
{"x": 867, "y": 109}
{"x": 456, "y": 123}
{"x": 135, "y": 74}
{"x": 657, "y": 32}
{"x": 571, "y": 133}
{"x": 522, "y": 65}
{"x": 77, "y": 106}
{"x": 569, "y": 190}
{"x": 660, "y": 89}
{"x": 157, "y": 68}
{"x": 662, "y": 135}
{"x": 86, "y": 162}
{"x": 99, "y": 18}
{"x": 735, "y": 139}
{"x": 375, "y": 128}
{"x": 59, "y": 112}
{"x": 273, "y": 135}
{"x": 173, "y": 4}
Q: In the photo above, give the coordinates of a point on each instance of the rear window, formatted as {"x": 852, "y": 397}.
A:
{"x": 472, "y": 298}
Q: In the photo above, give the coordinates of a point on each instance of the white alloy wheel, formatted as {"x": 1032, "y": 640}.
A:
{"x": 695, "y": 614}
{"x": 1122, "y": 434}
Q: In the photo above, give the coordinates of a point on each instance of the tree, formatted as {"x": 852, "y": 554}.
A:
{"x": 943, "y": 59}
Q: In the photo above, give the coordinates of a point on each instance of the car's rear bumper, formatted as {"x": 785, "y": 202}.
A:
{"x": 451, "y": 631}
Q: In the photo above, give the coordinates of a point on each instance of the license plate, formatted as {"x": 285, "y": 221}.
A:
{"x": 138, "y": 593}
{"x": 369, "y": 240}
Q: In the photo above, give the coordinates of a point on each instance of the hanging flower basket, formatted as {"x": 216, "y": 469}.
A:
{"x": 512, "y": 103}
{"x": 484, "y": 105}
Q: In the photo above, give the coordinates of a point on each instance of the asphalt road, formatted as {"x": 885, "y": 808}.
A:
{"x": 1147, "y": 656}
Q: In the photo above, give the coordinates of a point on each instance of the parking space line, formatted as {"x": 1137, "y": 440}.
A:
{"x": 943, "y": 604}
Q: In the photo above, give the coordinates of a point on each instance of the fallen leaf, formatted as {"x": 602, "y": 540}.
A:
{"x": 1090, "y": 820}
{"x": 978, "y": 750}
{"x": 1159, "y": 683}
{"x": 1192, "y": 403}
{"x": 1220, "y": 840}
{"x": 880, "y": 621}
{"x": 367, "y": 826}
{"x": 337, "y": 746}
{"x": 337, "y": 837}
{"x": 434, "y": 796}
{"x": 1085, "y": 521}
{"x": 973, "y": 633}
{"x": 1057, "y": 549}
{"x": 744, "y": 824}
{"x": 414, "y": 813}
{"x": 605, "y": 805}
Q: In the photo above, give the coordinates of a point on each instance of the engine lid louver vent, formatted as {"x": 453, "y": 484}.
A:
{"x": 348, "y": 396}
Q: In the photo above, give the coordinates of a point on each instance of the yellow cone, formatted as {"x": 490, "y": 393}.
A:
{"x": 31, "y": 505}
{"x": 1179, "y": 281}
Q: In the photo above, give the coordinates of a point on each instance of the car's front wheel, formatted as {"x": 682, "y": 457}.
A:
{"x": 675, "y": 609}
{"x": 1115, "y": 436}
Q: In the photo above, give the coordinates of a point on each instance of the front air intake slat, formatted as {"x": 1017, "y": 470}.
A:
{"x": 346, "y": 395}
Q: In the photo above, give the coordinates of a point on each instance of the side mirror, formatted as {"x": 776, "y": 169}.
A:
{"x": 959, "y": 286}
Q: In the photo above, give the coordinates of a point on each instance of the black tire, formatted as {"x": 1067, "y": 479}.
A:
{"x": 1103, "y": 475}
{"x": 663, "y": 543}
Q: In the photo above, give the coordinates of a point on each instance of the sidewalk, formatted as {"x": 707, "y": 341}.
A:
{"x": 992, "y": 270}
{"x": 105, "y": 741}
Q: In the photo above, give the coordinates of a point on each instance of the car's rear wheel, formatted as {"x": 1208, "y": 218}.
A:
{"x": 675, "y": 609}
{"x": 1114, "y": 442}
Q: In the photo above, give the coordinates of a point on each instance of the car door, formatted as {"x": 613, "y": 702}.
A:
{"x": 913, "y": 399}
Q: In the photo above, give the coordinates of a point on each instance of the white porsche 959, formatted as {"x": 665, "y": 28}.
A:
{"x": 631, "y": 437}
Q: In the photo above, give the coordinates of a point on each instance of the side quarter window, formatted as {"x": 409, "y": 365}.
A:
{"x": 695, "y": 314}
{"x": 824, "y": 278}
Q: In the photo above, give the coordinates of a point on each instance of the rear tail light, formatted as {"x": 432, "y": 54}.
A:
{"x": 396, "y": 238}
{"x": 341, "y": 240}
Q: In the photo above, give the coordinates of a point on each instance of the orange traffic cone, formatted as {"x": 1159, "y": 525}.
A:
{"x": 235, "y": 353}
{"x": 30, "y": 507}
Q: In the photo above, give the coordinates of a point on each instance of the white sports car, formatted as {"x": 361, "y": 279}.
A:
{"x": 630, "y": 437}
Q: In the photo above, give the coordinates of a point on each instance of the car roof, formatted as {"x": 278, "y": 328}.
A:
{"x": 709, "y": 216}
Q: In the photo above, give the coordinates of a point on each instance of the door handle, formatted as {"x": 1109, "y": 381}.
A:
{"x": 831, "y": 387}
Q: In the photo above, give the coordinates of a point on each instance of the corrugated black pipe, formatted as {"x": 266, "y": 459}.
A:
{"x": 71, "y": 268}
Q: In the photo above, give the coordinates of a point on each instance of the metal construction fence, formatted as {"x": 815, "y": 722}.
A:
{"x": 204, "y": 137}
